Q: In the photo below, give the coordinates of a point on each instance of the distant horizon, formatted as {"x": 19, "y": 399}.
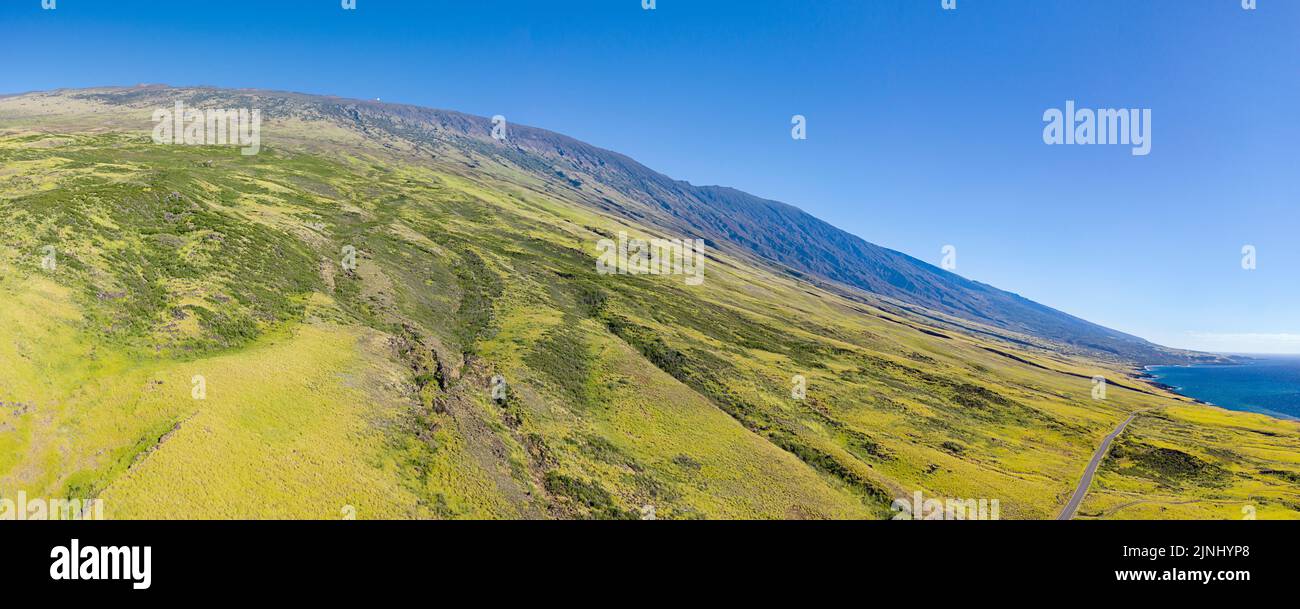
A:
{"x": 1258, "y": 355}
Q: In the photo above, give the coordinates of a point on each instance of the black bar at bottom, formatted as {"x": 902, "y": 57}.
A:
{"x": 315, "y": 559}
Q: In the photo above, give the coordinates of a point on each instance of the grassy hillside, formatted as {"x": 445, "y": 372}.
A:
{"x": 333, "y": 390}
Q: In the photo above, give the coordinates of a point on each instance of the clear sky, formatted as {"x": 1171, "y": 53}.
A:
{"x": 924, "y": 125}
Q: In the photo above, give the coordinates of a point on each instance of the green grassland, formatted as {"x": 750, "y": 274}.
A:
{"x": 333, "y": 390}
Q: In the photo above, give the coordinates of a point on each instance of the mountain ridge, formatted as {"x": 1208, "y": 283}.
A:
{"x": 774, "y": 231}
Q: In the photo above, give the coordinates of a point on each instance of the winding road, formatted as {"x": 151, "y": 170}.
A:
{"x": 1082, "y": 490}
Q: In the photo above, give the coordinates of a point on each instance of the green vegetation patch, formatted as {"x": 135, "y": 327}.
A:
{"x": 1168, "y": 466}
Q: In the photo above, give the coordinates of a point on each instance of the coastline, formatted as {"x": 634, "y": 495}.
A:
{"x": 1149, "y": 374}
{"x": 1151, "y": 379}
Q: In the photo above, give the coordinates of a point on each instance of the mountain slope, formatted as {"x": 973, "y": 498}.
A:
{"x": 370, "y": 389}
{"x": 726, "y": 217}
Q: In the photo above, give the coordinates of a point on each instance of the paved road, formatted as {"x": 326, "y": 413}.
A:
{"x": 1082, "y": 490}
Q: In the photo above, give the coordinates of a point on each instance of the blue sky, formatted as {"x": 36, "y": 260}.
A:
{"x": 924, "y": 125}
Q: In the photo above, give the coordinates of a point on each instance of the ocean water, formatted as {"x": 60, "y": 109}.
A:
{"x": 1267, "y": 384}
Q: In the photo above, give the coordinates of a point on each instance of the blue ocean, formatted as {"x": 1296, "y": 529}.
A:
{"x": 1264, "y": 384}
